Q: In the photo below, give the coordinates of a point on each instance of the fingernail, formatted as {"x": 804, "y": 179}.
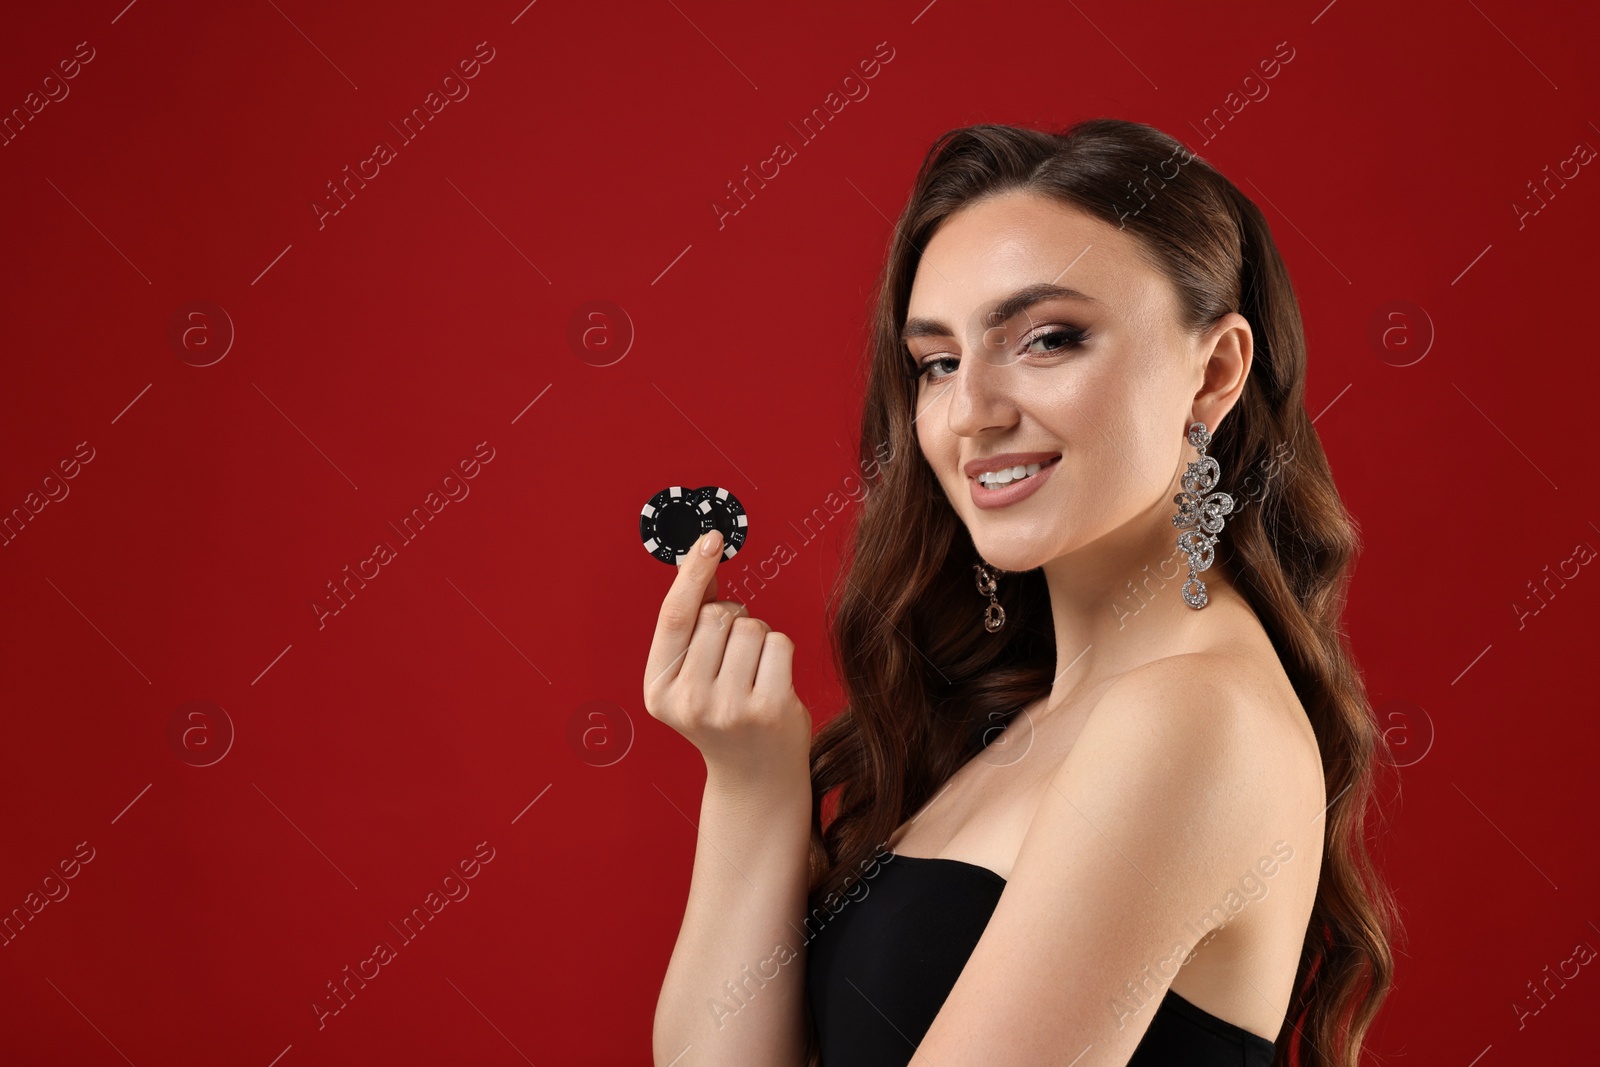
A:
{"x": 711, "y": 543}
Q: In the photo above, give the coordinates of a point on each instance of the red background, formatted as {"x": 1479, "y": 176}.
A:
{"x": 446, "y": 704}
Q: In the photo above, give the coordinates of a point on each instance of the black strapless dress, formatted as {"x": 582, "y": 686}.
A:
{"x": 879, "y": 970}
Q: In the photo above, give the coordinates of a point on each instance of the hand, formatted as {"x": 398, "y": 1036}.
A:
{"x": 725, "y": 680}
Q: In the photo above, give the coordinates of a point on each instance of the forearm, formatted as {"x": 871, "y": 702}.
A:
{"x": 735, "y": 986}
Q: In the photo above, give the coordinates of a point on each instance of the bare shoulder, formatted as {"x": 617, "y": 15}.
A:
{"x": 1185, "y": 681}
{"x": 1223, "y": 725}
{"x": 1243, "y": 698}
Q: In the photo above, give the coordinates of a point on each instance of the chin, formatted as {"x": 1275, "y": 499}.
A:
{"x": 1013, "y": 559}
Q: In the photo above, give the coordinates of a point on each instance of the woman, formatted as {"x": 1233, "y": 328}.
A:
{"x": 1099, "y": 790}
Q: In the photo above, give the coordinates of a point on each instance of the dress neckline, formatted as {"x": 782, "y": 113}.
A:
{"x": 943, "y": 859}
{"x": 1178, "y": 1001}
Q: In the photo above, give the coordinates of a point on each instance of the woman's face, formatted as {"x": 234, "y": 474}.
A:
{"x": 1107, "y": 380}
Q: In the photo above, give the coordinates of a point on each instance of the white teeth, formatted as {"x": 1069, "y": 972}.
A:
{"x": 1007, "y": 475}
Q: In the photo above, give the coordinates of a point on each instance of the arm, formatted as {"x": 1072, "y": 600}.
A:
{"x": 1168, "y": 792}
{"x": 735, "y": 987}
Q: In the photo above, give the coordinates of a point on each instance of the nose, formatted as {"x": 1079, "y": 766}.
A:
{"x": 982, "y": 391}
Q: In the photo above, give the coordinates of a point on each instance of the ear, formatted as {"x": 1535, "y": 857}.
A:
{"x": 1224, "y": 353}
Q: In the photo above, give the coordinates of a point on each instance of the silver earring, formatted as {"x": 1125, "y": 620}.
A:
{"x": 994, "y": 616}
{"x": 1200, "y": 512}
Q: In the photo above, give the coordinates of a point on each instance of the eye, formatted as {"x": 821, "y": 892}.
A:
{"x": 1067, "y": 336}
{"x": 929, "y": 365}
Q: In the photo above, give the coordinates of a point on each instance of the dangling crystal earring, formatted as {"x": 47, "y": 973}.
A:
{"x": 1200, "y": 512}
{"x": 994, "y": 616}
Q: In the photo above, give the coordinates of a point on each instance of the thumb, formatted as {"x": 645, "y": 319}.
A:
{"x": 700, "y": 564}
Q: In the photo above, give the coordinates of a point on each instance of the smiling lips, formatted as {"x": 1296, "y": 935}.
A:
{"x": 1014, "y": 477}
{"x": 1007, "y": 475}
{"x": 1001, "y": 460}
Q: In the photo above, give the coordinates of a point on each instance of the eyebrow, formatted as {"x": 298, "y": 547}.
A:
{"x": 1003, "y": 311}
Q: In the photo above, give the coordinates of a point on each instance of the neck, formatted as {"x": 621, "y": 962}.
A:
{"x": 1117, "y": 603}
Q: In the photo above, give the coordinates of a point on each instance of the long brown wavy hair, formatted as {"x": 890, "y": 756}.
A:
{"x": 923, "y": 683}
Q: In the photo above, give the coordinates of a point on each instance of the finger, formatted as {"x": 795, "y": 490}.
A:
{"x": 704, "y": 658}
{"x": 742, "y": 654}
{"x": 694, "y": 585}
{"x": 775, "y": 677}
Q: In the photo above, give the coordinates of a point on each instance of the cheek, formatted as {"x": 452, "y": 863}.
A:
{"x": 1109, "y": 427}
{"x": 934, "y": 437}
{"x": 931, "y": 449}
{"x": 1085, "y": 413}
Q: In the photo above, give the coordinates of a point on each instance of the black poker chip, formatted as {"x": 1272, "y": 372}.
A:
{"x": 674, "y": 519}
{"x": 727, "y": 515}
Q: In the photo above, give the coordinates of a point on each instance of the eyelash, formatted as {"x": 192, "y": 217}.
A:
{"x": 1074, "y": 337}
